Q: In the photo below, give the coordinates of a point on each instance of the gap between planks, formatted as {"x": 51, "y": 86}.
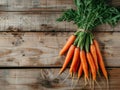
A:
{"x": 43, "y": 67}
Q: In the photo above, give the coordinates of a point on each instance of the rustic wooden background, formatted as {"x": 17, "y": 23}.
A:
{"x": 30, "y": 40}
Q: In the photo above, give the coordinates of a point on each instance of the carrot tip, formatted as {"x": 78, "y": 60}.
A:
{"x": 71, "y": 73}
{"x": 60, "y": 54}
{"x": 60, "y": 71}
{"x": 78, "y": 77}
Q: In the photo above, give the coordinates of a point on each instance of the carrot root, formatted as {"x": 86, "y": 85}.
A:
{"x": 93, "y": 85}
{"x": 107, "y": 84}
{"x": 65, "y": 78}
{"x": 68, "y": 58}
{"x": 98, "y": 84}
{"x": 68, "y": 44}
{"x": 84, "y": 63}
{"x": 92, "y": 65}
{"x": 100, "y": 59}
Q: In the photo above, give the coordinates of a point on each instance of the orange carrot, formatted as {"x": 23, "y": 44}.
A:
{"x": 94, "y": 55}
{"x": 68, "y": 44}
{"x": 80, "y": 71}
{"x": 68, "y": 58}
{"x": 75, "y": 60}
{"x": 75, "y": 69}
{"x": 92, "y": 65}
{"x": 100, "y": 59}
{"x": 84, "y": 63}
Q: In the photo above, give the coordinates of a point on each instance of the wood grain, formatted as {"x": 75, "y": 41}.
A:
{"x": 115, "y": 2}
{"x": 41, "y": 49}
{"x": 35, "y": 5}
{"x": 21, "y": 46}
{"x": 14, "y": 21}
{"x": 45, "y": 79}
{"x": 41, "y": 5}
{"x": 24, "y": 21}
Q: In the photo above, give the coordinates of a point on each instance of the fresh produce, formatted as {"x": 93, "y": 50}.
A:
{"x": 82, "y": 48}
{"x": 68, "y": 58}
{"x": 100, "y": 60}
{"x": 68, "y": 44}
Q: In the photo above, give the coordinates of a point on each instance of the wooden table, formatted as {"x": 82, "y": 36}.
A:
{"x": 30, "y": 40}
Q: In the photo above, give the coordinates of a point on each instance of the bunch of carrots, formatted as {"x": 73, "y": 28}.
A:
{"x": 82, "y": 48}
{"x": 83, "y": 52}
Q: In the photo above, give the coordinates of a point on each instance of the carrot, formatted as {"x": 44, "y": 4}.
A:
{"x": 68, "y": 44}
{"x": 80, "y": 70}
{"x": 75, "y": 69}
{"x": 84, "y": 63}
{"x": 75, "y": 60}
{"x": 100, "y": 59}
{"x": 92, "y": 65}
{"x": 94, "y": 55}
{"x": 68, "y": 58}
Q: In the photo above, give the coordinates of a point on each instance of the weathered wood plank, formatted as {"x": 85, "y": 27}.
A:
{"x": 45, "y": 79}
{"x": 14, "y": 21}
{"x": 35, "y": 5}
{"x": 115, "y": 2}
{"x": 41, "y": 5}
{"x": 42, "y": 48}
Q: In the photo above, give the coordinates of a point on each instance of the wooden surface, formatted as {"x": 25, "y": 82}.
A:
{"x": 30, "y": 40}
{"x": 40, "y": 21}
{"x": 41, "y": 48}
{"x": 44, "y": 79}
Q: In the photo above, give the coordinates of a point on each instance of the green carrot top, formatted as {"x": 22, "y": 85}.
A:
{"x": 91, "y": 13}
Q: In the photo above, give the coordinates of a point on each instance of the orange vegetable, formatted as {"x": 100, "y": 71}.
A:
{"x": 92, "y": 65}
{"x": 84, "y": 63}
{"x": 75, "y": 69}
{"x": 75, "y": 60}
{"x": 68, "y": 44}
{"x": 100, "y": 59}
{"x": 68, "y": 58}
{"x": 94, "y": 55}
{"x": 80, "y": 70}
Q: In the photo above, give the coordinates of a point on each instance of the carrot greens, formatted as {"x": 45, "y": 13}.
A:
{"x": 90, "y": 13}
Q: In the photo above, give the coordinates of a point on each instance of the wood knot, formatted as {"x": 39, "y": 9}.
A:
{"x": 14, "y": 29}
